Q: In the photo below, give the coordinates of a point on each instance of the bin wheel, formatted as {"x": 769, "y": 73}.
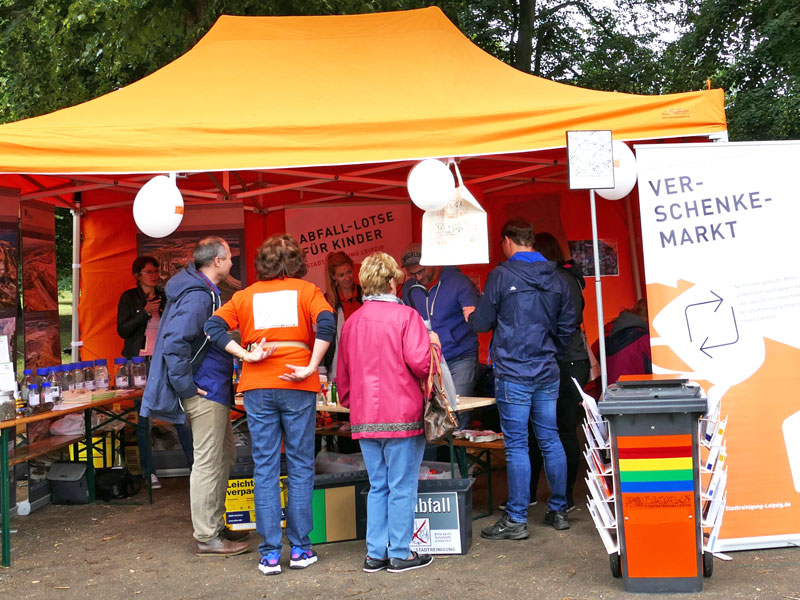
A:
{"x": 614, "y": 563}
{"x": 708, "y": 564}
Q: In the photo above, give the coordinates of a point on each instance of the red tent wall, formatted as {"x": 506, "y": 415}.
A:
{"x": 109, "y": 248}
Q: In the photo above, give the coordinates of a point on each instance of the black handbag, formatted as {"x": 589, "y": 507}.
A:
{"x": 438, "y": 417}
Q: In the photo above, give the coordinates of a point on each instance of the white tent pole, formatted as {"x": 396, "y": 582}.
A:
{"x": 598, "y": 287}
{"x": 76, "y": 278}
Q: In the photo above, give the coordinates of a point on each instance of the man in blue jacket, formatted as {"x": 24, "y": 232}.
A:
{"x": 528, "y": 307}
{"x": 451, "y": 297}
{"x": 190, "y": 377}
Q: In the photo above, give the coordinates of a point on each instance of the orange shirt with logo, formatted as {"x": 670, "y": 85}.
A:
{"x": 278, "y": 310}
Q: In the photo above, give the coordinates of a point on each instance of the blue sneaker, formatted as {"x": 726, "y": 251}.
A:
{"x": 302, "y": 558}
{"x": 270, "y": 563}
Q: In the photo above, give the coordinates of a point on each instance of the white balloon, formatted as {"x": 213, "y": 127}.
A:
{"x": 158, "y": 207}
{"x": 624, "y": 172}
{"x": 431, "y": 185}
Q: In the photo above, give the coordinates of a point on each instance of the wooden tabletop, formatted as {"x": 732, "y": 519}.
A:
{"x": 464, "y": 403}
{"x": 72, "y": 408}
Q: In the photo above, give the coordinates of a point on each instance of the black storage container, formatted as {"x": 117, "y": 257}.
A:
{"x": 443, "y": 516}
{"x": 68, "y": 483}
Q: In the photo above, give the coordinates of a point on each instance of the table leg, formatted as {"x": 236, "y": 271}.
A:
{"x": 87, "y": 422}
{"x": 5, "y": 498}
{"x": 148, "y": 480}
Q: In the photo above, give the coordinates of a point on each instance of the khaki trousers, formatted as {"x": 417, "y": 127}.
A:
{"x": 214, "y": 457}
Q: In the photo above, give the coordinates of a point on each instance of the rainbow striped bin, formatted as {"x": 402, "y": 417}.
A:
{"x": 654, "y": 447}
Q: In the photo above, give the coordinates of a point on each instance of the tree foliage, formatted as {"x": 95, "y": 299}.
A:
{"x": 750, "y": 48}
{"x": 56, "y": 54}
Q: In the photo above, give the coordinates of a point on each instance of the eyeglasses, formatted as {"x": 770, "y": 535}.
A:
{"x": 415, "y": 273}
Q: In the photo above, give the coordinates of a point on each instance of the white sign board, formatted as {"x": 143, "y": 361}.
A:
{"x": 591, "y": 160}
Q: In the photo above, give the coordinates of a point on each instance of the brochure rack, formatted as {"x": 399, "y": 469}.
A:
{"x": 600, "y": 479}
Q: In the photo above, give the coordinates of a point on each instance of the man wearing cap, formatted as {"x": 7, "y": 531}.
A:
{"x": 451, "y": 297}
{"x": 528, "y": 306}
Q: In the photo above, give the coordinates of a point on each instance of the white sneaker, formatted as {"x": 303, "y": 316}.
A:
{"x": 154, "y": 482}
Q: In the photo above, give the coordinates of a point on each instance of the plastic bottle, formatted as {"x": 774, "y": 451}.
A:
{"x": 88, "y": 375}
{"x": 46, "y": 397}
{"x": 54, "y": 379}
{"x": 322, "y": 395}
{"x": 101, "y": 374}
{"x": 77, "y": 376}
{"x": 122, "y": 372}
{"x": 139, "y": 371}
{"x": 33, "y": 396}
{"x": 334, "y": 393}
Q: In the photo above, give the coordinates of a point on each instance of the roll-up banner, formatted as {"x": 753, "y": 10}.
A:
{"x": 719, "y": 231}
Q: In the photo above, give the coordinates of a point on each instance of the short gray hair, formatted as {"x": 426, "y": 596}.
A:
{"x": 207, "y": 249}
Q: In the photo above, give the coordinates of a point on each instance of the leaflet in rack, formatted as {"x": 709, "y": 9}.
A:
{"x": 607, "y": 534}
{"x": 713, "y": 470}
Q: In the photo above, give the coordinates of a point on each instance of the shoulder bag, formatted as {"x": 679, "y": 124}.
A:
{"x": 438, "y": 417}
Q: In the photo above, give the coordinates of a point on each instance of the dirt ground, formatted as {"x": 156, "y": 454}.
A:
{"x": 130, "y": 549}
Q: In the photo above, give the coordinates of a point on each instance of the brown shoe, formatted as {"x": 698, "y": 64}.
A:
{"x": 220, "y": 547}
{"x": 234, "y": 535}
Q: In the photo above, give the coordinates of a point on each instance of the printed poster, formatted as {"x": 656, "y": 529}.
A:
{"x": 39, "y": 286}
{"x": 174, "y": 252}
{"x": 719, "y": 226}
{"x": 355, "y": 229}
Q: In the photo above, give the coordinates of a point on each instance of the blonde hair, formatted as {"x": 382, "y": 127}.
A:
{"x": 376, "y": 272}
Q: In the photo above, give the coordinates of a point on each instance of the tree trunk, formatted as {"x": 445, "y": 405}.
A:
{"x": 524, "y": 46}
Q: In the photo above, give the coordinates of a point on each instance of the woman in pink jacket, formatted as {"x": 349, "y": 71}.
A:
{"x": 384, "y": 352}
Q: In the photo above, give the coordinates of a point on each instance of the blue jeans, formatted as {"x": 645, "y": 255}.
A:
{"x": 519, "y": 403}
{"x": 393, "y": 468}
{"x": 289, "y": 415}
{"x": 464, "y": 370}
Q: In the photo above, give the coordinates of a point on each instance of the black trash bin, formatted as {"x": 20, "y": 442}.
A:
{"x": 654, "y": 443}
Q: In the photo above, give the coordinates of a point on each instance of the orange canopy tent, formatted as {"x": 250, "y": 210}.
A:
{"x": 273, "y": 111}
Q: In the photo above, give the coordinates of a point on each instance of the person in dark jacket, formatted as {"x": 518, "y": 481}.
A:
{"x": 190, "y": 377}
{"x": 528, "y": 307}
{"x": 139, "y": 309}
{"x": 628, "y": 344}
{"x": 138, "y": 316}
{"x": 573, "y": 362}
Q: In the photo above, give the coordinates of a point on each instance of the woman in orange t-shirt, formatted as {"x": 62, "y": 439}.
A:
{"x": 276, "y": 318}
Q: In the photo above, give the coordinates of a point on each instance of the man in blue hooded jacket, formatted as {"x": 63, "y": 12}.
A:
{"x": 527, "y": 305}
{"x": 190, "y": 377}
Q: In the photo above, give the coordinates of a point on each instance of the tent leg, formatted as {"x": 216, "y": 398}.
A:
{"x": 76, "y": 278}
{"x": 601, "y": 338}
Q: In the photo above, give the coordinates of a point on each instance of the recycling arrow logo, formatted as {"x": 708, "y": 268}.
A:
{"x": 725, "y": 332}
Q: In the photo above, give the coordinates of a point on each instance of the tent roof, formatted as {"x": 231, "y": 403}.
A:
{"x": 276, "y": 92}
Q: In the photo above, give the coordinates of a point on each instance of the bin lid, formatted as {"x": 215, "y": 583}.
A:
{"x": 653, "y": 396}
{"x": 66, "y": 471}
